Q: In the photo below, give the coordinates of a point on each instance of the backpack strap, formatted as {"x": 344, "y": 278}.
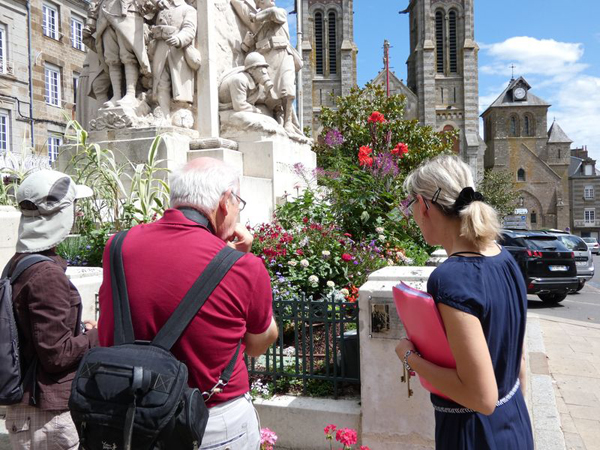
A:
{"x": 195, "y": 298}
{"x": 24, "y": 263}
{"x": 123, "y": 333}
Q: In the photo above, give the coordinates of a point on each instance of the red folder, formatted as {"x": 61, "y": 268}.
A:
{"x": 424, "y": 327}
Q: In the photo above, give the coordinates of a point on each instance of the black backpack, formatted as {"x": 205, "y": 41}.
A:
{"x": 12, "y": 380}
{"x": 135, "y": 396}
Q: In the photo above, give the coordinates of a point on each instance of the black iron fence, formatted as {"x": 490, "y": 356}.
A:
{"x": 317, "y": 345}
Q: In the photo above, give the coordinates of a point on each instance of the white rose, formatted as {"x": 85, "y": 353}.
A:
{"x": 345, "y": 291}
{"x": 304, "y": 263}
{"x": 326, "y": 253}
{"x": 381, "y": 237}
{"x": 313, "y": 279}
{"x": 379, "y": 230}
{"x": 292, "y": 263}
{"x": 330, "y": 284}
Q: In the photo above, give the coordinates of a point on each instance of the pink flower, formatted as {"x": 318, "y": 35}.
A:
{"x": 329, "y": 429}
{"x": 346, "y": 436}
{"x": 347, "y": 257}
{"x": 267, "y": 439}
{"x": 364, "y": 447}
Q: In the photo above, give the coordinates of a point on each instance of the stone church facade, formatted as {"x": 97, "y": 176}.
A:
{"x": 518, "y": 141}
{"x": 329, "y": 54}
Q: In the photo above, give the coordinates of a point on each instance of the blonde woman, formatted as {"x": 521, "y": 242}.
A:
{"x": 482, "y": 298}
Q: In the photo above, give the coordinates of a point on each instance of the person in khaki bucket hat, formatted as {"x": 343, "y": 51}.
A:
{"x": 47, "y": 309}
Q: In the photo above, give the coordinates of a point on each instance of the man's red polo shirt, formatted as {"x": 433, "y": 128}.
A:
{"x": 162, "y": 260}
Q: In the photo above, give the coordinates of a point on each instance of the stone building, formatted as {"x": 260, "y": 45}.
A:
{"x": 397, "y": 87}
{"x": 443, "y": 73}
{"x": 326, "y": 33}
{"x": 584, "y": 182}
{"x": 518, "y": 141}
{"x": 42, "y": 55}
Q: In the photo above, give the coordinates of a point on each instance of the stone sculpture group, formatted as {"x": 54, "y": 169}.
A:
{"x": 144, "y": 62}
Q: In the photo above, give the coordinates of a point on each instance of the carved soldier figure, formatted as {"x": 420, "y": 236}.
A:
{"x": 270, "y": 37}
{"x": 120, "y": 44}
{"x": 243, "y": 87}
{"x": 175, "y": 59}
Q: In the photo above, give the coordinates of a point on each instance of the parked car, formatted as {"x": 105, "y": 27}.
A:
{"x": 547, "y": 265}
{"x": 584, "y": 261}
{"x": 593, "y": 245}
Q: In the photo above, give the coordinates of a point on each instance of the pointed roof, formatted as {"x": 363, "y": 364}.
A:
{"x": 505, "y": 99}
{"x": 556, "y": 135}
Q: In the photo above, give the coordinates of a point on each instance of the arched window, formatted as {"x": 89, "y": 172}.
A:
{"x": 455, "y": 142}
{"x": 319, "y": 43}
{"x": 514, "y": 126}
{"x": 533, "y": 217}
{"x": 521, "y": 175}
{"x": 526, "y": 128}
{"x": 332, "y": 44}
{"x": 453, "y": 51}
{"x": 439, "y": 41}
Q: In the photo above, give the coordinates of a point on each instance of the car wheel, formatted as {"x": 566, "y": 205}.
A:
{"x": 552, "y": 298}
{"x": 581, "y": 285}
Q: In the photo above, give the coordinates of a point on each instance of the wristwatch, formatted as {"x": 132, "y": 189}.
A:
{"x": 406, "y": 355}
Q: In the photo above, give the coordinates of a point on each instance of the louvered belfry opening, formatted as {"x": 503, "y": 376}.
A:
{"x": 319, "y": 57}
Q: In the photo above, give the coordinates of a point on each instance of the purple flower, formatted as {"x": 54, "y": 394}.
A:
{"x": 384, "y": 165}
{"x": 334, "y": 138}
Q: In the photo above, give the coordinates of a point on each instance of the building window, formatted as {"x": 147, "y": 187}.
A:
{"x": 50, "y": 21}
{"x": 52, "y": 79}
{"x": 77, "y": 34}
{"x": 521, "y": 175}
{"x": 514, "y": 126}
{"x": 589, "y": 216}
{"x": 54, "y": 143}
{"x": 533, "y": 217}
{"x": 332, "y": 29}
{"x": 588, "y": 192}
{"x": 3, "y": 54}
{"x": 4, "y": 131}
{"x": 526, "y": 126}
{"x": 439, "y": 41}
{"x": 453, "y": 42}
{"x": 588, "y": 169}
{"x": 319, "y": 43}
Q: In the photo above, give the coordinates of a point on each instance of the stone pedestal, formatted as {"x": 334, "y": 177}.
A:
{"x": 9, "y": 226}
{"x": 87, "y": 280}
{"x": 390, "y": 419}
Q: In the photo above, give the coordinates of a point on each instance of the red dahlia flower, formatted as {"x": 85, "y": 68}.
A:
{"x": 376, "y": 117}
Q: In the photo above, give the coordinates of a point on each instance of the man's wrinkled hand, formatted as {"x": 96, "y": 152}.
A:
{"x": 241, "y": 239}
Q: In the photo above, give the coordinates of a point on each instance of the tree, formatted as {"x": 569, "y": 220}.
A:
{"x": 498, "y": 190}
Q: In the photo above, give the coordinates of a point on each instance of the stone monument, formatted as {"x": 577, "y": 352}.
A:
{"x": 218, "y": 77}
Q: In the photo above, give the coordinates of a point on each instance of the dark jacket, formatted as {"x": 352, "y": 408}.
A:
{"x": 47, "y": 309}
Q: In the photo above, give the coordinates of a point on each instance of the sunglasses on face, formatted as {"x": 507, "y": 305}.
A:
{"x": 406, "y": 205}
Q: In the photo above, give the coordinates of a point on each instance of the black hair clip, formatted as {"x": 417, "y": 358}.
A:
{"x": 467, "y": 196}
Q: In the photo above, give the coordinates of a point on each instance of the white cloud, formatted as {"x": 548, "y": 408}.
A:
{"x": 547, "y": 57}
{"x": 557, "y": 74}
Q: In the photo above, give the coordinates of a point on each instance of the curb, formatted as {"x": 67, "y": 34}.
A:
{"x": 578, "y": 323}
{"x": 541, "y": 399}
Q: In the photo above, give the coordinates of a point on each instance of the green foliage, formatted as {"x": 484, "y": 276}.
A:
{"x": 497, "y": 188}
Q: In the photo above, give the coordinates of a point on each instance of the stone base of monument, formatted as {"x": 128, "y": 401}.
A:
{"x": 390, "y": 419}
{"x": 133, "y": 144}
{"x": 267, "y": 167}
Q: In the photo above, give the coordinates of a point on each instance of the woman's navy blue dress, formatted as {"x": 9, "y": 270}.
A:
{"x": 492, "y": 289}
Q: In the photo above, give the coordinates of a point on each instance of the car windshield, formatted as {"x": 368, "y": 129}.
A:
{"x": 590, "y": 240}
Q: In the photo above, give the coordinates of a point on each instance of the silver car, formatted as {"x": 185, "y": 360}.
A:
{"x": 584, "y": 260}
{"x": 592, "y": 244}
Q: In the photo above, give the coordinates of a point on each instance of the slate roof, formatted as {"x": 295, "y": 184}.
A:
{"x": 556, "y": 135}
{"x": 505, "y": 99}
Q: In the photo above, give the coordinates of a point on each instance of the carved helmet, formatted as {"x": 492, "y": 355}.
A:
{"x": 253, "y": 60}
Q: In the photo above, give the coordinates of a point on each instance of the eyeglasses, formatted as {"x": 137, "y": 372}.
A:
{"x": 240, "y": 200}
{"x": 406, "y": 205}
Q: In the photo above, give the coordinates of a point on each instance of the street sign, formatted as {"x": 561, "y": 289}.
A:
{"x": 521, "y": 211}
{"x": 515, "y": 221}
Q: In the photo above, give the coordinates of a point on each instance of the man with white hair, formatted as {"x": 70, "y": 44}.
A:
{"x": 47, "y": 309}
{"x": 163, "y": 259}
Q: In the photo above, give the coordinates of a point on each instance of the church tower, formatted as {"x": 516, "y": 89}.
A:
{"x": 442, "y": 72}
{"x": 329, "y": 53}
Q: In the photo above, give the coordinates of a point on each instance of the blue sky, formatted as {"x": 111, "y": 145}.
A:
{"x": 554, "y": 44}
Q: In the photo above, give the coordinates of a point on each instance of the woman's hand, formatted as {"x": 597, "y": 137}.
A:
{"x": 403, "y": 346}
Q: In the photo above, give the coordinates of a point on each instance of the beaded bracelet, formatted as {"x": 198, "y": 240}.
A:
{"x": 406, "y": 355}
